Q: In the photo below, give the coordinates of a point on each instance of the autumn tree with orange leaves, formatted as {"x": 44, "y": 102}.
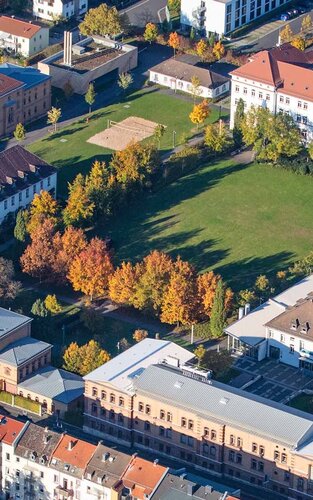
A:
{"x": 39, "y": 254}
{"x": 173, "y": 41}
{"x": 207, "y": 284}
{"x": 180, "y": 301}
{"x": 66, "y": 247}
{"x": 134, "y": 164}
{"x": 200, "y": 113}
{"x": 122, "y": 283}
{"x": 90, "y": 270}
{"x": 218, "y": 50}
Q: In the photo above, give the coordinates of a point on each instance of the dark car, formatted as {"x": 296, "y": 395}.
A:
{"x": 285, "y": 16}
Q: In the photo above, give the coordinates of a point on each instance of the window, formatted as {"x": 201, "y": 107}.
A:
{"x": 287, "y": 100}
{"x": 212, "y": 451}
{"x": 94, "y": 391}
{"x": 276, "y": 455}
{"x": 291, "y": 349}
{"x": 283, "y": 458}
{"x": 112, "y": 398}
{"x": 184, "y": 422}
{"x": 206, "y": 432}
{"x": 5, "y": 204}
{"x": 239, "y": 442}
{"x": 183, "y": 439}
{"x": 305, "y": 105}
{"x": 190, "y": 441}
{"x": 190, "y": 425}
{"x": 300, "y": 484}
{"x": 169, "y": 433}
{"x": 140, "y": 407}
{"x": 161, "y": 431}
{"x": 111, "y": 415}
{"x": 299, "y": 104}
{"x": 239, "y": 458}
{"x": 268, "y": 97}
{"x": 281, "y": 99}
{"x": 49, "y": 181}
{"x": 27, "y": 193}
{"x": 299, "y": 118}
{"x": 121, "y": 401}
{"x": 262, "y": 450}
{"x": 253, "y": 464}
{"x": 260, "y": 95}
{"x": 147, "y": 426}
{"x": 148, "y": 410}
{"x": 162, "y": 414}
{"x": 7, "y": 456}
{"x": 261, "y": 466}
{"x": 231, "y": 456}
{"x": 232, "y": 439}
{"x": 120, "y": 418}
{"x": 282, "y": 338}
{"x": 13, "y": 201}
{"x": 253, "y": 92}
{"x": 245, "y": 90}
{"x": 213, "y": 435}
{"x": 103, "y": 395}
{"x": 41, "y": 184}
{"x": 237, "y": 88}
{"x": 169, "y": 417}
{"x": 304, "y": 120}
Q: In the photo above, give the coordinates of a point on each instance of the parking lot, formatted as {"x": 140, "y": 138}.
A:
{"x": 273, "y": 380}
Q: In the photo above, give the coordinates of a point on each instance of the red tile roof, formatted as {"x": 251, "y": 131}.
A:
{"x": 17, "y": 27}
{"x": 8, "y": 84}
{"x": 78, "y": 456}
{"x": 9, "y": 429}
{"x": 142, "y": 477}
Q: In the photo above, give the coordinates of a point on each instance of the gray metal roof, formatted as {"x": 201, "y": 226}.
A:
{"x": 22, "y": 350}
{"x": 55, "y": 383}
{"x": 227, "y": 405}
{"x": 10, "y": 320}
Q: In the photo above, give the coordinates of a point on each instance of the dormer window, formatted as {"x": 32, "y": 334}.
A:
{"x": 305, "y": 328}
{"x": 294, "y": 324}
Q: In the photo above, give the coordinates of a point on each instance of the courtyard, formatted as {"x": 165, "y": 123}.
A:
{"x": 270, "y": 379}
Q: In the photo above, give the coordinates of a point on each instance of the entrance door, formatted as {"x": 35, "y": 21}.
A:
{"x": 274, "y": 352}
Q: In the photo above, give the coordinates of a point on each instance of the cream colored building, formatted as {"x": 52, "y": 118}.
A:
{"x": 21, "y": 37}
{"x": 161, "y": 407}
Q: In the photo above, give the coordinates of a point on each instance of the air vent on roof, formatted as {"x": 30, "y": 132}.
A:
{"x": 178, "y": 384}
{"x": 33, "y": 455}
{"x": 224, "y": 401}
{"x": 305, "y": 327}
{"x": 66, "y": 467}
{"x": 53, "y": 461}
{"x": 105, "y": 456}
{"x": 43, "y": 459}
{"x": 294, "y": 324}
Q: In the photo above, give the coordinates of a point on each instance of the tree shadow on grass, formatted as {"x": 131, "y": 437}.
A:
{"x": 243, "y": 273}
{"x": 60, "y": 134}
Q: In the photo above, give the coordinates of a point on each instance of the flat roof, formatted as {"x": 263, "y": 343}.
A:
{"x": 251, "y": 328}
{"x": 122, "y": 370}
{"x": 227, "y": 405}
{"x": 10, "y": 320}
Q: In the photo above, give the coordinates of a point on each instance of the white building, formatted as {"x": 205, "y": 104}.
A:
{"x": 54, "y": 9}
{"x": 177, "y": 75}
{"x": 223, "y": 16}
{"x": 281, "y": 80}
{"x": 281, "y": 328}
{"x": 22, "y": 174}
{"x": 21, "y": 37}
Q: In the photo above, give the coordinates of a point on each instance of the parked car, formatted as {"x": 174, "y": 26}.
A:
{"x": 285, "y": 16}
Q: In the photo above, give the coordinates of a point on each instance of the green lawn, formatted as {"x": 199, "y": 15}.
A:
{"x": 303, "y": 402}
{"x": 27, "y": 404}
{"x": 76, "y": 155}
{"x": 240, "y": 220}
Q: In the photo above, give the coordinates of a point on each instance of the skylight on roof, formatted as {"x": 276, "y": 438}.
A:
{"x": 178, "y": 384}
{"x": 136, "y": 373}
{"x": 224, "y": 401}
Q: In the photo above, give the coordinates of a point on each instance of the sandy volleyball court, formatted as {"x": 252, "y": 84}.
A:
{"x": 118, "y": 135}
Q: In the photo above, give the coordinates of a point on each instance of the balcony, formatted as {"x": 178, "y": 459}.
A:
{"x": 64, "y": 492}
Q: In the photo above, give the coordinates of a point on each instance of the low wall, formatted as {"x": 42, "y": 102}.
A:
{"x": 124, "y": 62}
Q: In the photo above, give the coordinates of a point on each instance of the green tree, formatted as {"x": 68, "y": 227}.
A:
{"x": 218, "y": 313}
{"x": 216, "y": 138}
{"x": 51, "y": 303}
{"x": 199, "y": 352}
{"x": 303, "y": 266}
{"x": 84, "y": 359}
{"x": 98, "y": 186}
{"x": 246, "y": 297}
{"x": 90, "y": 96}
{"x": 102, "y": 20}
{"x": 20, "y": 229}
{"x": 262, "y": 283}
{"x": 19, "y": 132}
{"x": 310, "y": 150}
{"x": 159, "y": 132}
{"x": 270, "y": 136}
{"x": 151, "y": 32}
{"x": 219, "y": 362}
{"x": 39, "y": 309}
{"x": 17, "y": 6}
{"x": 54, "y": 114}
{"x": 124, "y": 81}
{"x": 238, "y": 118}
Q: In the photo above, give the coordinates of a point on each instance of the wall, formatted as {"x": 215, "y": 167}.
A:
{"x": 24, "y": 197}
{"x": 39, "y": 42}
{"x": 80, "y": 81}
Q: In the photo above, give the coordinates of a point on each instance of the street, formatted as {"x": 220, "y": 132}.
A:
{"x": 266, "y": 36}
{"x": 145, "y": 11}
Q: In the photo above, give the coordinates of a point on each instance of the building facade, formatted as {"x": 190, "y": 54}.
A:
{"x": 223, "y": 16}
{"x": 20, "y": 37}
{"x": 281, "y": 80}
{"x": 22, "y": 175}
{"x": 58, "y": 9}
{"x": 25, "y": 96}
{"x": 178, "y": 76}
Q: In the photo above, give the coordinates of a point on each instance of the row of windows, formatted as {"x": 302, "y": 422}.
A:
{"x": 35, "y": 365}
{"x": 11, "y": 201}
{"x": 112, "y": 397}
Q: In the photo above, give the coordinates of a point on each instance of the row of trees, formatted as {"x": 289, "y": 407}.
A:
{"x": 171, "y": 290}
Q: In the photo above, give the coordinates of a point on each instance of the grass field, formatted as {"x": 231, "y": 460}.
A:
{"x": 240, "y": 220}
{"x": 76, "y": 155}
